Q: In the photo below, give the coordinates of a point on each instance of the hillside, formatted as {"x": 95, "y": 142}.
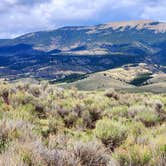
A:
{"x": 88, "y": 38}
{"x": 130, "y": 78}
{"x": 41, "y": 124}
{"x": 73, "y": 50}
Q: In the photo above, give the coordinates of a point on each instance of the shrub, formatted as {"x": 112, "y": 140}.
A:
{"x": 24, "y": 113}
{"x": 135, "y": 155}
{"x": 70, "y": 120}
{"x": 4, "y": 93}
{"x": 51, "y": 157}
{"x": 35, "y": 90}
{"x": 17, "y": 130}
{"x": 40, "y": 109}
{"x": 158, "y": 146}
{"x": 135, "y": 109}
{"x": 116, "y": 112}
{"x": 26, "y": 157}
{"x": 111, "y": 93}
{"x": 91, "y": 153}
{"x": 160, "y": 156}
{"x": 17, "y": 98}
{"x": 50, "y": 126}
{"x": 135, "y": 131}
{"x": 148, "y": 117}
{"x": 22, "y": 154}
{"x": 86, "y": 118}
{"x": 111, "y": 132}
{"x": 4, "y": 141}
{"x": 4, "y": 136}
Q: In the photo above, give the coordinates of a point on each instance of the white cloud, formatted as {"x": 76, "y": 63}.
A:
{"x": 21, "y": 16}
{"x": 155, "y": 12}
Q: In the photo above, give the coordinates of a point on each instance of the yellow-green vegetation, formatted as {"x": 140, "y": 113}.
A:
{"x": 44, "y": 125}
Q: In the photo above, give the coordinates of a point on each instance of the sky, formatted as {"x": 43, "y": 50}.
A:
{"x": 18, "y": 17}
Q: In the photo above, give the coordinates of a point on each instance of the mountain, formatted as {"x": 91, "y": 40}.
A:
{"x": 83, "y": 49}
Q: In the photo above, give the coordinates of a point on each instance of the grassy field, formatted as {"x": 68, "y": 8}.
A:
{"x": 45, "y": 125}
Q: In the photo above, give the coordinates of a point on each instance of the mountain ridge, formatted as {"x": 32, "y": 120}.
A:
{"x": 111, "y": 24}
{"x": 84, "y": 49}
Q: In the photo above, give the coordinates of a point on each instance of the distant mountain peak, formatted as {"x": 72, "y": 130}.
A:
{"x": 133, "y": 22}
{"x": 158, "y": 27}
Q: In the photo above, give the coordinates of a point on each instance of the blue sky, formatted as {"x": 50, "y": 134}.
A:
{"x": 23, "y": 16}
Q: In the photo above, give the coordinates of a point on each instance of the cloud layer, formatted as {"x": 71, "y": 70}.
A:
{"x": 22, "y": 16}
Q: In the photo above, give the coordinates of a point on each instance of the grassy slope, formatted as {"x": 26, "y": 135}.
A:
{"x": 41, "y": 124}
{"x": 98, "y": 81}
{"x": 133, "y": 79}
